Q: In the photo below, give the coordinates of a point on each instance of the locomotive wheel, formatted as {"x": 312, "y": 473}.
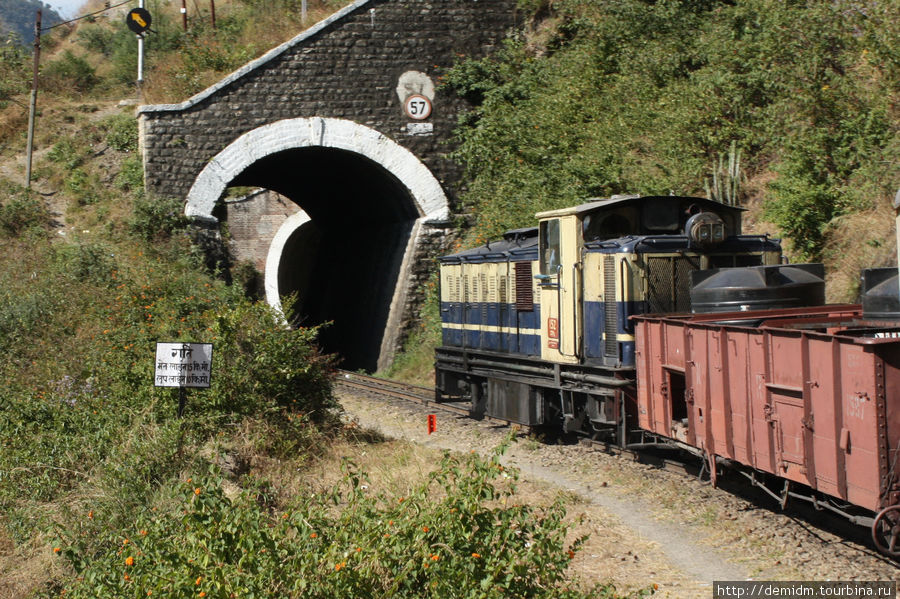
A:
{"x": 886, "y": 531}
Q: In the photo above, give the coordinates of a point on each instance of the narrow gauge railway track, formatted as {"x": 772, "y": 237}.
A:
{"x": 424, "y": 396}
{"x": 404, "y": 391}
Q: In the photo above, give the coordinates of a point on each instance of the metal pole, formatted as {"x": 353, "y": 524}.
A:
{"x": 303, "y": 12}
{"x": 33, "y": 107}
{"x": 140, "y": 65}
{"x": 212, "y": 12}
{"x": 184, "y": 14}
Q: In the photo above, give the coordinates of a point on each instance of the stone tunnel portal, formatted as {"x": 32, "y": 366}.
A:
{"x": 365, "y": 201}
{"x": 345, "y": 261}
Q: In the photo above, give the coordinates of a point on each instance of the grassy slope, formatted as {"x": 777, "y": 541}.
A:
{"x": 96, "y": 474}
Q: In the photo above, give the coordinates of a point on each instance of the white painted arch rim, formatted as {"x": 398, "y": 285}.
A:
{"x": 273, "y": 259}
{"x": 257, "y": 144}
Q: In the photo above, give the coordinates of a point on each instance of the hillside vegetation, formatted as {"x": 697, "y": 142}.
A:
{"x": 600, "y": 97}
{"x": 104, "y": 491}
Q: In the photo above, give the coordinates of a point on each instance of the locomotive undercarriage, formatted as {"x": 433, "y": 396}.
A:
{"x": 594, "y": 401}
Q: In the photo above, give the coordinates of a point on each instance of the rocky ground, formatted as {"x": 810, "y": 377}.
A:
{"x": 649, "y": 525}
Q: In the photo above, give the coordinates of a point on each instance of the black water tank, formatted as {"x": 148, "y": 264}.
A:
{"x": 880, "y": 293}
{"x": 757, "y": 288}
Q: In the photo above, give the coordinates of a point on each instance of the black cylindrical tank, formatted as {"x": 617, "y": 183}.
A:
{"x": 880, "y": 294}
{"x": 757, "y": 288}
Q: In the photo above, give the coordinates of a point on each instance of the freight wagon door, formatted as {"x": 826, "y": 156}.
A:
{"x": 787, "y": 415}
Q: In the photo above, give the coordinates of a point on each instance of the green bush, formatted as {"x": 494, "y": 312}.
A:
{"x": 460, "y": 534}
{"x": 131, "y": 175}
{"x": 23, "y": 213}
{"x": 157, "y": 218}
{"x": 123, "y": 133}
{"x": 67, "y": 154}
{"x": 69, "y": 73}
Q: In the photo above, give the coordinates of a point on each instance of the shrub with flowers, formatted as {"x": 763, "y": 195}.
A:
{"x": 459, "y": 534}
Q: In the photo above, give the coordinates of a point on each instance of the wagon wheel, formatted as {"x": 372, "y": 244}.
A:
{"x": 886, "y": 531}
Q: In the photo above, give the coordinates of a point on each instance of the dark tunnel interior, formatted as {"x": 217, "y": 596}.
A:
{"x": 345, "y": 263}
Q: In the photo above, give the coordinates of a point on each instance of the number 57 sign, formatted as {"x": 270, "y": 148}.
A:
{"x": 417, "y": 107}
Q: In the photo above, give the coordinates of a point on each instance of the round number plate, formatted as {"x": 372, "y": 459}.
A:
{"x": 417, "y": 107}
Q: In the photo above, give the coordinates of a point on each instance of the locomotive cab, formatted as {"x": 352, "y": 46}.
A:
{"x": 606, "y": 260}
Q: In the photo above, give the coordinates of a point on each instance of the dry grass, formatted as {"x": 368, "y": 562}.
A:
{"x": 858, "y": 241}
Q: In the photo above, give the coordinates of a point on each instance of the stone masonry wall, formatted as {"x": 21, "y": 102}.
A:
{"x": 348, "y": 67}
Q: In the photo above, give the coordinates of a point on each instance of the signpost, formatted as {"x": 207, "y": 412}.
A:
{"x": 183, "y": 365}
{"x": 138, "y": 20}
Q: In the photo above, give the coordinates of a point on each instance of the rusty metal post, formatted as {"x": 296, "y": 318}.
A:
{"x": 212, "y": 12}
{"x": 184, "y": 14}
{"x": 33, "y": 104}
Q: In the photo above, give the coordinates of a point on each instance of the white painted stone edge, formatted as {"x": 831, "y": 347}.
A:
{"x": 273, "y": 258}
{"x": 253, "y": 65}
{"x": 423, "y": 187}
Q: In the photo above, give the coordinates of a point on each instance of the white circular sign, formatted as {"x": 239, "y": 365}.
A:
{"x": 417, "y": 107}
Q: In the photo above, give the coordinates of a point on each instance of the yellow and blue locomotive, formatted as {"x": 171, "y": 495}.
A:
{"x": 536, "y": 326}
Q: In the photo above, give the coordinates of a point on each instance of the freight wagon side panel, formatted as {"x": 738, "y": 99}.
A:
{"x": 858, "y": 441}
{"x": 806, "y": 406}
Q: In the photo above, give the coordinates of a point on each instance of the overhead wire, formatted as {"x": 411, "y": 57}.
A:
{"x": 86, "y": 16}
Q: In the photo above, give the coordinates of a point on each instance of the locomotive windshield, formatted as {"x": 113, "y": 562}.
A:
{"x": 549, "y": 236}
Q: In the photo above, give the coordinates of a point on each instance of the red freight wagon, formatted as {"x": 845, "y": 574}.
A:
{"x": 810, "y": 396}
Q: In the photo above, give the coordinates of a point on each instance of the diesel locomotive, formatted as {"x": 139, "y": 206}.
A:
{"x": 654, "y": 321}
{"x": 536, "y": 327}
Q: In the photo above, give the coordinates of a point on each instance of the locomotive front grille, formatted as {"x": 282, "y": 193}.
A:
{"x": 609, "y": 308}
{"x": 669, "y": 283}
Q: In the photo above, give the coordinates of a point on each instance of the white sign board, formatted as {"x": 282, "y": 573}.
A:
{"x": 183, "y": 364}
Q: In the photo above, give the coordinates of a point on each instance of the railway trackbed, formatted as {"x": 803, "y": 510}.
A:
{"x": 704, "y": 533}
{"x": 424, "y": 396}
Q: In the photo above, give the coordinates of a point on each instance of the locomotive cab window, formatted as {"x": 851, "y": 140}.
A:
{"x": 606, "y": 226}
{"x": 661, "y": 214}
{"x": 549, "y": 246}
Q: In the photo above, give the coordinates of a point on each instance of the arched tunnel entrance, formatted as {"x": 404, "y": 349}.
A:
{"x": 344, "y": 262}
{"x": 363, "y": 199}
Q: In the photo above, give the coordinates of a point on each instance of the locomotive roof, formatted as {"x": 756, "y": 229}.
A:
{"x": 517, "y": 244}
{"x": 622, "y": 200}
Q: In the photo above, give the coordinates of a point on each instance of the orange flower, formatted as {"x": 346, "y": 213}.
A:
{"x": 435, "y": 558}
{"x": 129, "y": 561}
{"x": 56, "y": 550}
{"x": 571, "y": 554}
{"x": 476, "y": 555}
{"x": 313, "y": 536}
{"x": 197, "y": 491}
{"x": 338, "y": 567}
{"x": 202, "y": 594}
{"x": 197, "y": 582}
{"x": 425, "y": 529}
{"x": 91, "y": 515}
